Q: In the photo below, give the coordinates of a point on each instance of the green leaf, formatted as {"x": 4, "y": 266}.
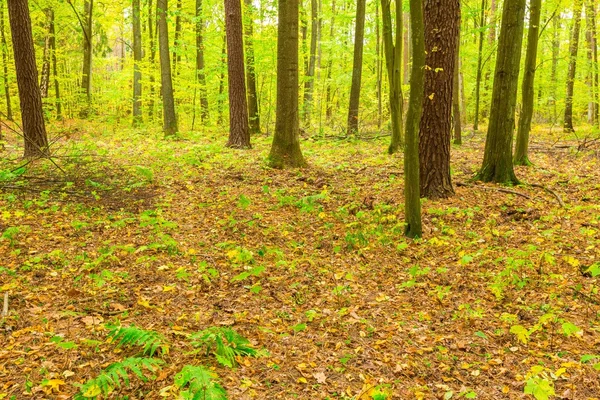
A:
{"x": 540, "y": 388}
{"x": 299, "y": 327}
{"x": 244, "y": 202}
{"x": 594, "y": 269}
{"x": 481, "y": 335}
{"x": 569, "y": 328}
{"x": 521, "y": 332}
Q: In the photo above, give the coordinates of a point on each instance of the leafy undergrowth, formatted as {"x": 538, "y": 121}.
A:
{"x": 499, "y": 299}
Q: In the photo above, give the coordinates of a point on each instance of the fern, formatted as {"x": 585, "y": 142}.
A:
{"x": 226, "y": 342}
{"x": 202, "y": 384}
{"x": 134, "y": 336}
{"x": 110, "y": 378}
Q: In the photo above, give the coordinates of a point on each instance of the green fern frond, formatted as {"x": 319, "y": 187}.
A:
{"x": 134, "y": 336}
{"x": 225, "y": 343}
{"x": 110, "y": 378}
{"x": 201, "y": 383}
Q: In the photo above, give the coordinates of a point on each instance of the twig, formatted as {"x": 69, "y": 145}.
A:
{"x": 5, "y": 306}
{"x": 553, "y": 193}
{"x": 495, "y": 188}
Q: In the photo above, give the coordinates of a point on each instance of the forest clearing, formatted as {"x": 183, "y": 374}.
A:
{"x": 287, "y": 199}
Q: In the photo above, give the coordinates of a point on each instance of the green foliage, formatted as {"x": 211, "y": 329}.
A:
{"x": 150, "y": 341}
{"x": 110, "y": 378}
{"x": 11, "y": 234}
{"x": 225, "y": 343}
{"x": 199, "y": 383}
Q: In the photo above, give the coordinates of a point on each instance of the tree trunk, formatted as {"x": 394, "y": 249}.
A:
{"x": 527, "y": 92}
{"x": 328, "y": 90}
{"x": 378, "y": 68}
{"x": 456, "y": 95}
{"x": 554, "y": 70}
{"x": 176, "y": 39}
{"x": 200, "y": 75}
{"x": 221, "y": 98}
{"x": 45, "y": 76}
{"x": 54, "y": 66}
{"x": 86, "y": 75}
{"x": 479, "y": 67}
{"x": 239, "y": 131}
{"x": 393, "y": 56}
{"x": 137, "y": 57}
{"x": 151, "y": 30}
{"x": 32, "y": 116}
{"x": 253, "y": 112}
{"x": 497, "y": 160}
{"x": 357, "y": 67}
{"x": 9, "y": 115}
{"x": 412, "y": 201}
{"x": 593, "y": 58}
{"x": 310, "y": 72}
{"x": 285, "y": 150}
{"x": 169, "y": 118}
{"x": 442, "y": 20}
{"x": 573, "y": 47}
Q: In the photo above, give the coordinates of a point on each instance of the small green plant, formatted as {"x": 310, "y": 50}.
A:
{"x": 197, "y": 382}
{"x": 225, "y": 343}
{"x": 150, "y": 341}
{"x": 110, "y": 378}
{"x": 11, "y": 234}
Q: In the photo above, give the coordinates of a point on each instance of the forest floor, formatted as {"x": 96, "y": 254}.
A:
{"x": 499, "y": 298}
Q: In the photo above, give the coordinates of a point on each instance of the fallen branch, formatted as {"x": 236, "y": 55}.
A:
{"x": 552, "y": 192}
{"x": 498, "y": 189}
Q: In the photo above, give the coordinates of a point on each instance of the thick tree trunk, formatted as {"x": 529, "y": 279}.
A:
{"x": 169, "y": 117}
{"x": 479, "y": 67}
{"x": 527, "y": 92}
{"x": 137, "y": 57}
{"x": 457, "y": 120}
{"x": 9, "y": 115}
{"x": 392, "y": 45}
{"x": 45, "y": 75}
{"x": 86, "y": 75}
{"x": 309, "y": 84}
{"x": 573, "y": 47}
{"x": 239, "y": 131}
{"x": 285, "y": 150}
{"x": 253, "y": 111}
{"x": 412, "y": 201}
{"x": 200, "y": 75}
{"x": 442, "y": 20}
{"x": 359, "y": 36}
{"x": 32, "y": 116}
{"x": 497, "y": 160}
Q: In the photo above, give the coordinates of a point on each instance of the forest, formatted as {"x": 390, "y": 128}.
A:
{"x": 299, "y": 199}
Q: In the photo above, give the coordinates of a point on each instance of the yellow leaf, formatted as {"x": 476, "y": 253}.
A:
{"x": 168, "y": 289}
{"x": 431, "y": 96}
{"x": 505, "y": 389}
{"x": 302, "y": 380}
{"x": 54, "y": 384}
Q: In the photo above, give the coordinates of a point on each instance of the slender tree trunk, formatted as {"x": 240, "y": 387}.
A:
{"x": 442, "y": 20}
{"x": 328, "y": 90}
{"x": 137, "y": 57}
{"x": 407, "y": 48}
{"x": 393, "y": 56}
{"x": 152, "y": 58}
{"x": 554, "y": 70}
{"x": 593, "y": 61}
{"x": 285, "y": 150}
{"x": 412, "y": 201}
{"x": 239, "y": 130}
{"x": 54, "y": 66}
{"x": 34, "y": 130}
{"x": 9, "y": 115}
{"x": 45, "y": 76}
{"x": 309, "y": 84}
{"x": 221, "y": 98}
{"x": 491, "y": 42}
{"x": 456, "y": 95}
{"x": 497, "y": 160}
{"x": 200, "y": 75}
{"x": 378, "y": 67}
{"x": 573, "y": 47}
{"x": 357, "y": 67}
{"x": 521, "y": 149}
{"x": 169, "y": 117}
{"x": 479, "y": 67}
{"x": 176, "y": 39}
{"x": 86, "y": 76}
{"x": 253, "y": 111}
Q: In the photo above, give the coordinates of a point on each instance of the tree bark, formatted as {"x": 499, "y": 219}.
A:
{"x": 176, "y": 39}
{"x": 137, "y": 57}
{"x": 253, "y": 111}
{"x": 86, "y": 75}
{"x": 497, "y": 160}
{"x": 34, "y": 130}
{"x": 554, "y": 70}
{"x": 9, "y": 114}
{"x": 239, "y": 131}
{"x": 45, "y": 75}
{"x": 310, "y": 72}
{"x": 285, "y": 150}
{"x": 54, "y": 66}
{"x": 593, "y": 61}
{"x": 457, "y": 120}
{"x": 392, "y": 45}
{"x": 412, "y": 201}
{"x": 357, "y": 67}
{"x": 328, "y": 89}
{"x": 442, "y": 20}
{"x": 479, "y": 67}
{"x": 200, "y": 75}
{"x": 152, "y": 26}
{"x": 573, "y": 47}
{"x": 527, "y": 92}
{"x": 169, "y": 117}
